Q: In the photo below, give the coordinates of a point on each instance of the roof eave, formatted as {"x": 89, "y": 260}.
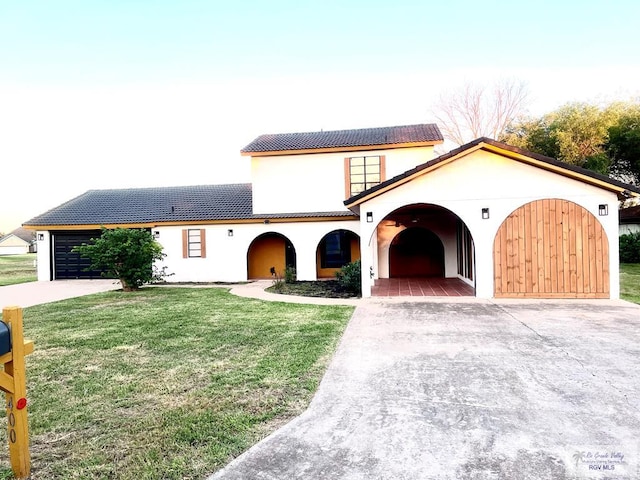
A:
{"x": 351, "y": 148}
{"x": 174, "y": 223}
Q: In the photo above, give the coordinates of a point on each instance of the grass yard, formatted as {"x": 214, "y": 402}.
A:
{"x": 17, "y": 269}
{"x": 166, "y": 383}
{"x": 630, "y": 282}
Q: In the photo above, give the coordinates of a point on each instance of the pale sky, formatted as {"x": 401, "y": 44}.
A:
{"x": 138, "y": 93}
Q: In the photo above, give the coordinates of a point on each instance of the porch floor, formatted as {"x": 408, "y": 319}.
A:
{"x": 421, "y": 287}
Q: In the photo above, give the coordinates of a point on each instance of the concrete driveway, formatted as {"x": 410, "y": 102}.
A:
{"x": 469, "y": 390}
{"x": 34, "y": 293}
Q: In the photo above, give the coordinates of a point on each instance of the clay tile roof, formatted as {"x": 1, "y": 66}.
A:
{"x": 143, "y": 205}
{"x": 162, "y": 205}
{"x": 345, "y": 138}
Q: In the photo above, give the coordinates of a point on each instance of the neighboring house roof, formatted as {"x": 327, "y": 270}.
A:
{"x": 360, "y": 139}
{"x": 630, "y": 215}
{"x": 519, "y": 154}
{"x": 22, "y": 233}
{"x": 173, "y": 205}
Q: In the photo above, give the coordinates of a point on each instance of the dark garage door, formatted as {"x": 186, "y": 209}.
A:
{"x": 68, "y": 265}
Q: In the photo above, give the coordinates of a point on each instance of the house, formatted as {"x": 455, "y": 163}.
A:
{"x": 502, "y": 221}
{"x": 18, "y": 242}
{"x": 630, "y": 220}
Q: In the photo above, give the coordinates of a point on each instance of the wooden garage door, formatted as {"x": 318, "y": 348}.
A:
{"x": 551, "y": 249}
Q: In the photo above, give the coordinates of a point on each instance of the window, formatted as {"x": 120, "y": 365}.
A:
{"x": 193, "y": 243}
{"x": 362, "y": 173}
{"x": 335, "y": 249}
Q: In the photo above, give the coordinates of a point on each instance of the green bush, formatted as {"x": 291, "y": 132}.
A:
{"x": 289, "y": 275}
{"x": 127, "y": 254}
{"x": 630, "y": 248}
{"x": 349, "y": 277}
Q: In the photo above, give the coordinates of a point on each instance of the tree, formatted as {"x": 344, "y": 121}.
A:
{"x": 623, "y": 145}
{"x": 477, "y": 110}
{"x": 126, "y": 253}
{"x": 577, "y": 133}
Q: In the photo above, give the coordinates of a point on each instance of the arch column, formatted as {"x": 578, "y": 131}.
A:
{"x": 306, "y": 258}
{"x": 484, "y": 266}
{"x": 368, "y": 254}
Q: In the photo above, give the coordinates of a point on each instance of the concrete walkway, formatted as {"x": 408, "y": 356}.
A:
{"x": 34, "y": 293}
{"x": 468, "y": 390}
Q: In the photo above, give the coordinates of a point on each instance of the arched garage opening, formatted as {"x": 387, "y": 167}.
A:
{"x": 336, "y": 249}
{"x": 551, "y": 248}
{"x": 270, "y": 252}
{"x": 416, "y": 252}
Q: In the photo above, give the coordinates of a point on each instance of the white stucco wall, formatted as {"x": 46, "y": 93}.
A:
{"x": 44, "y": 255}
{"x": 403, "y": 159}
{"x": 226, "y": 257}
{"x": 486, "y": 180}
{"x": 316, "y": 182}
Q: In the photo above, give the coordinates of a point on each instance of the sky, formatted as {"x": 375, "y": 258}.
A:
{"x": 142, "y": 93}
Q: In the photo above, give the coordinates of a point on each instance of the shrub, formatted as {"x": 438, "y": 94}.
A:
{"x": 127, "y": 254}
{"x": 290, "y": 275}
{"x": 349, "y": 277}
{"x": 630, "y": 248}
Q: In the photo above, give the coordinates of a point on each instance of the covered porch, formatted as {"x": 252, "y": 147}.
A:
{"x": 422, "y": 250}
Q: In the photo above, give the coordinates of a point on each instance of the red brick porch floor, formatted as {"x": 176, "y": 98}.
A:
{"x": 421, "y": 287}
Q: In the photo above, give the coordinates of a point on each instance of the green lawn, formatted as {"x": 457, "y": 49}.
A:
{"x": 17, "y": 269}
{"x": 166, "y": 383}
{"x": 630, "y": 282}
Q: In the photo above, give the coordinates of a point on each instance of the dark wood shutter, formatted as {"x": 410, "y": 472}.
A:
{"x": 185, "y": 243}
{"x": 203, "y": 243}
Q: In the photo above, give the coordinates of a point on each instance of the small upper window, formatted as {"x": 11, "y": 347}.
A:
{"x": 363, "y": 173}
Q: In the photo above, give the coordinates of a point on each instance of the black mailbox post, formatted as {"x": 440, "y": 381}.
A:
{"x": 5, "y": 338}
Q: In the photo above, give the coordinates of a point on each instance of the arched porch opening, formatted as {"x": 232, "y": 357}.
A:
{"x": 268, "y": 255}
{"x": 336, "y": 249}
{"x": 424, "y": 248}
